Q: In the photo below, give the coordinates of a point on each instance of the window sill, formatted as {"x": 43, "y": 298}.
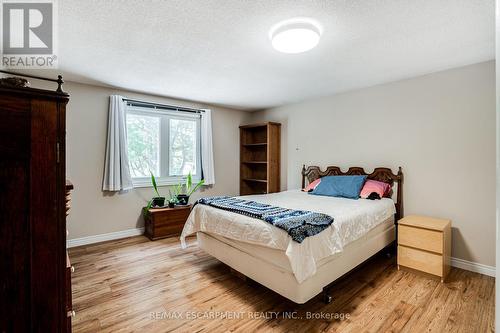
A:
{"x": 161, "y": 182}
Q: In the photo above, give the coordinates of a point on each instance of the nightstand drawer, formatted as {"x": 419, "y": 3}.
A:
{"x": 425, "y": 239}
{"x": 420, "y": 260}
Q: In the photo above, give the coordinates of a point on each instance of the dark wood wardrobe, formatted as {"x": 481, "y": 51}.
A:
{"x": 35, "y": 289}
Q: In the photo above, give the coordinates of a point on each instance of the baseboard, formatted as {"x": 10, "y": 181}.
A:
{"x": 104, "y": 237}
{"x": 473, "y": 266}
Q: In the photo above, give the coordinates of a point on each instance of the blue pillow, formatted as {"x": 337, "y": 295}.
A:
{"x": 340, "y": 186}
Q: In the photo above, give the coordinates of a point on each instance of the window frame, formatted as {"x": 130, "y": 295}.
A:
{"x": 164, "y": 143}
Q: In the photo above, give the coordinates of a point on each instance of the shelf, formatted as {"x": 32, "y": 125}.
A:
{"x": 262, "y": 125}
{"x": 255, "y": 180}
{"x": 254, "y": 144}
{"x": 259, "y": 158}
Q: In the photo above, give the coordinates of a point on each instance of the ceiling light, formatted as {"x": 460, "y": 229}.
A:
{"x": 295, "y": 35}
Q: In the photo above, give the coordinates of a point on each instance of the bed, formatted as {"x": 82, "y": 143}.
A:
{"x": 300, "y": 271}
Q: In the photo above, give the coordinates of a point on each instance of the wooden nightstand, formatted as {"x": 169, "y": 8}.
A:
{"x": 166, "y": 222}
{"x": 424, "y": 244}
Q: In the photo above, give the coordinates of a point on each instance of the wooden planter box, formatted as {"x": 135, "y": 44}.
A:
{"x": 166, "y": 222}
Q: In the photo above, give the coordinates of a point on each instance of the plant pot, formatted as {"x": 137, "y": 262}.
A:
{"x": 183, "y": 199}
{"x": 171, "y": 204}
{"x": 158, "y": 202}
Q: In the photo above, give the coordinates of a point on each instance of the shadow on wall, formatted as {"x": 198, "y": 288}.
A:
{"x": 284, "y": 154}
{"x": 458, "y": 242}
{"x": 144, "y": 197}
{"x": 140, "y": 221}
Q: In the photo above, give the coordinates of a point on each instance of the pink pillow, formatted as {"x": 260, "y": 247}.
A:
{"x": 312, "y": 185}
{"x": 381, "y": 188}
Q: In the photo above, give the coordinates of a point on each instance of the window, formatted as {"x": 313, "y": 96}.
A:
{"x": 166, "y": 143}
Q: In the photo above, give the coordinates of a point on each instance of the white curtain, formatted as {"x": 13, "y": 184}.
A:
{"x": 207, "y": 150}
{"x": 116, "y": 169}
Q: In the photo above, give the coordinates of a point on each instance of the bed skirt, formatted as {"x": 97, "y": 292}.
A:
{"x": 280, "y": 279}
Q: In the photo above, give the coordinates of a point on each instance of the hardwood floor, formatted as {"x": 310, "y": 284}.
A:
{"x": 138, "y": 285}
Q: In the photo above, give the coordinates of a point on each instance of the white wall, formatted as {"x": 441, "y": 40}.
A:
{"x": 440, "y": 128}
{"x": 497, "y": 287}
{"x": 94, "y": 212}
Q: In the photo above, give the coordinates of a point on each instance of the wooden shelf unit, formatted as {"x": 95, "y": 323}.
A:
{"x": 260, "y": 158}
{"x": 255, "y": 180}
{"x": 255, "y": 144}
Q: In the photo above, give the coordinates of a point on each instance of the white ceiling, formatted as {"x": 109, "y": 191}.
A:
{"x": 217, "y": 51}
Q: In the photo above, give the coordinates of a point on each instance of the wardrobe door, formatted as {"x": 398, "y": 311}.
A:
{"x": 47, "y": 285}
{"x": 15, "y": 246}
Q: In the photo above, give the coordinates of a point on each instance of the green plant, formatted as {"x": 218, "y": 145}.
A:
{"x": 173, "y": 196}
{"x": 155, "y": 187}
{"x": 188, "y": 187}
{"x": 153, "y": 181}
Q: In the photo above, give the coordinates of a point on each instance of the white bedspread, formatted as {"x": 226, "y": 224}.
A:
{"x": 352, "y": 220}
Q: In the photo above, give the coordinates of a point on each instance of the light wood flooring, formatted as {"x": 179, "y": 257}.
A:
{"x": 135, "y": 285}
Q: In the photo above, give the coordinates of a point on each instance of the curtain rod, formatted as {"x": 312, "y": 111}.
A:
{"x": 135, "y": 102}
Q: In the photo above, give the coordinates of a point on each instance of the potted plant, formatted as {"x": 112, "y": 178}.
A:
{"x": 172, "y": 201}
{"x": 185, "y": 191}
{"x": 157, "y": 201}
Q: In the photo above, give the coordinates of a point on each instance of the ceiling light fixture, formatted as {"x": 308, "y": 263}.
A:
{"x": 295, "y": 35}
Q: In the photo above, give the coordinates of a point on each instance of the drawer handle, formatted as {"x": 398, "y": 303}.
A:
{"x": 72, "y": 269}
{"x": 71, "y": 313}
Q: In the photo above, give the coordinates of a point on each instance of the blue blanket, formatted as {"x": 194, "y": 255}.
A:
{"x": 299, "y": 224}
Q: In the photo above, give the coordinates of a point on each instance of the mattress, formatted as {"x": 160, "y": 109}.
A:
{"x": 352, "y": 220}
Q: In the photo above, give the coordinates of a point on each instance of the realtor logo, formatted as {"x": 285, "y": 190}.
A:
{"x": 28, "y": 34}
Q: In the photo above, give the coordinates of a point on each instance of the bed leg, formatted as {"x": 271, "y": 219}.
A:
{"x": 327, "y": 298}
{"x": 390, "y": 251}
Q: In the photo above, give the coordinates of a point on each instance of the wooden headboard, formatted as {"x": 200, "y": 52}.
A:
{"x": 381, "y": 174}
